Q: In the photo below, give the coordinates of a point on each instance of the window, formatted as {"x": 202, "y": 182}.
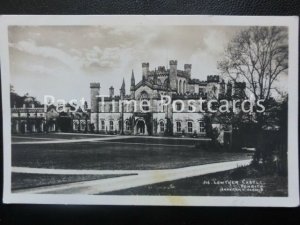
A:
{"x": 162, "y": 126}
{"x": 111, "y": 125}
{"x": 178, "y": 107}
{"x": 110, "y": 108}
{"x": 201, "y": 127}
{"x": 145, "y": 106}
{"x": 144, "y": 95}
{"x": 102, "y": 125}
{"x": 201, "y": 90}
{"x": 190, "y": 127}
{"x": 190, "y": 108}
{"x": 75, "y": 125}
{"x": 82, "y": 125}
{"x": 178, "y": 126}
{"x": 179, "y": 87}
{"x": 127, "y": 127}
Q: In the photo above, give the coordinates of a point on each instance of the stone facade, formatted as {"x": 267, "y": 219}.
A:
{"x": 33, "y": 118}
{"x": 113, "y": 116}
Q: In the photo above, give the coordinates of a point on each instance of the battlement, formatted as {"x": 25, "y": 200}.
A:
{"x": 145, "y": 64}
{"x": 187, "y": 66}
{"x": 197, "y": 81}
{"x": 161, "y": 69}
{"x": 213, "y": 78}
{"x": 94, "y": 85}
{"x": 173, "y": 62}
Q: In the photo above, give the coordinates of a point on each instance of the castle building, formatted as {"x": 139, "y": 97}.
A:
{"x": 111, "y": 115}
{"x": 29, "y": 116}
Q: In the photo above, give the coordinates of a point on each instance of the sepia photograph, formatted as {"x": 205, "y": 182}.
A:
{"x": 150, "y": 110}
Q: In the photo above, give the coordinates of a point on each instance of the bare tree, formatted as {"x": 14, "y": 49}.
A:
{"x": 258, "y": 56}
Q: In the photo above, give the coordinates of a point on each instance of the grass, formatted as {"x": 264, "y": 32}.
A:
{"x": 133, "y": 153}
{"x": 23, "y": 180}
{"x": 49, "y": 136}
{"x": 244, "y": 181}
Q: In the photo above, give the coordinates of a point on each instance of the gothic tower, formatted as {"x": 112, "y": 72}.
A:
{"x": 111, "y": 91}
{"x": 173, "y": 75}
{"x": 188, "y": 69}
{"x": 95, "y": 91}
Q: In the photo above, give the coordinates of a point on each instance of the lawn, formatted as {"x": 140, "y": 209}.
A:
{"x": 51, "y": 136}
{"x": 133, "y": 153}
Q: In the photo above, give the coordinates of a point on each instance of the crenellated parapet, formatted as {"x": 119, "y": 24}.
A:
{"x": 213, "y": 78}
{"x": 173, "y": 62}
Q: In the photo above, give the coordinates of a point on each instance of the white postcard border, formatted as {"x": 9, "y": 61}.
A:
{"x": 293, "y": 182}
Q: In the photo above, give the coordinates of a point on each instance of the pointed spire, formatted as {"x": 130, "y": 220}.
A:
{"x": 122, "y": 89}
{"x": 132, "y": 79}
{"x": 123, "y": 84}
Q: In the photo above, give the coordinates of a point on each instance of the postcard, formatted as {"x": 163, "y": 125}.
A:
{"x": 150, "y": 110}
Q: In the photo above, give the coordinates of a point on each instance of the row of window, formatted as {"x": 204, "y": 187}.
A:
{"x": 111, "y": 125}
{"x": 161, "y": 126}
{"x": 190, "y": 127}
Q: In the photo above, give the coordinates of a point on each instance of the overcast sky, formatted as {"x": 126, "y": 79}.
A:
{"x": 62, "y": 61}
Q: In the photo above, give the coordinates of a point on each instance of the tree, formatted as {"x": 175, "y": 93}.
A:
{"x": 257, "y": 56}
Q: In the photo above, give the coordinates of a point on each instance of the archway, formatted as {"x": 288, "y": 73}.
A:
{"x": 141, "y": 127}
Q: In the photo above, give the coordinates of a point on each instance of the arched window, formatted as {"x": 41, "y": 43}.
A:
{"x": 144, "y": 95}
{"x": 127, "y": 126}
{"x": 183, "y": 87}
{"x": 162, "y": 126}
{"x": 178, "y": 126}
{"x": 111, "y": 125}
{"x": 102, "y": 125}
{"x": 179, "y": 87}
{"x": 190, "y": 127}
{"x": 178, "y": 106}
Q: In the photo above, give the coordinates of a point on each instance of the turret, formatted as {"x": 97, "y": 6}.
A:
{"x": 111, "y": 91}
{"x": 95, "y": 90}
{"x": 173, "y": 75}
{"x": 155, "y": 77}
{"x": 222, "y": 89}
{"x": 122, "y": 90}
{"x": 188, "y": 70}
{"x": 145, "y": 67}
{"x": 239, "y": 90}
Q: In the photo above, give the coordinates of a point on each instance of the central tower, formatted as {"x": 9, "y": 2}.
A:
{"x": 173, "y": 75}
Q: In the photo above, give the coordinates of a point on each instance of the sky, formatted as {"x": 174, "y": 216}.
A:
{"x": 63, "y": 60}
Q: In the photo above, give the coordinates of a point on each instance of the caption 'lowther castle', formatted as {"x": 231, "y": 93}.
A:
{"x": 110, "y": 115}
